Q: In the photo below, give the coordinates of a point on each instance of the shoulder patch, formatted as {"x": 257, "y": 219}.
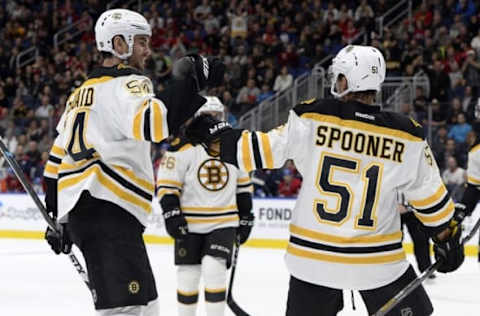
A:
{"x": 415, "y": 123}
{"x": 309, "y": 101}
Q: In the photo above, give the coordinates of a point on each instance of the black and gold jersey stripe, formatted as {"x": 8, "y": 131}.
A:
{"x": 435, "y": 209}
{"x": 54, "y": 160}
{"x": 371, "y": 249}
{"x": 128, "y": 190}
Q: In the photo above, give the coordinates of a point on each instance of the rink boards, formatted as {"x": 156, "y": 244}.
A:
{"x": 19, "y": 218}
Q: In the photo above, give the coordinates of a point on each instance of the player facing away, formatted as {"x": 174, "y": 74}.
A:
{"x": 99, "y": 174}
{"x": 206, "y": 204}
{"x": 354, "y": 160}
{"x": 471, "y": 196}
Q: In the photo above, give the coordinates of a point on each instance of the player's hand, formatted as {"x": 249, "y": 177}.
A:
{"x": 59, "y": 240}
{"x": 245, "y": 227}
{"x": 206, "y": 130}
{"x": 449, "y": 249}
{"x": 175, "y": 223}
{"x": 206, "y": 71}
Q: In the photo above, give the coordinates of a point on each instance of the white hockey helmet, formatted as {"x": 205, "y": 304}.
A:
{"x": 213, "y": 104}
{"x": 120, "y": 22}
{"x": 363, "y": 68}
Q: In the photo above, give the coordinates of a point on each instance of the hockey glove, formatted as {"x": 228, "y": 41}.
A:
{"x": 207, "y": 72}
{"x": 206, "y": 130}
{"x": 175, "y": 223}
{"x": 59, "y": 240}
{"x": 245, "y": 227}
{"x": 449, "y": 250}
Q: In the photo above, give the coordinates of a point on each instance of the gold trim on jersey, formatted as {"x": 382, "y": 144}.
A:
{"x": 209, "y": 209}
{"x": 215, "y": 290}
{"x": 217, "y": 219}
{"x": 432, "y": 199}
{"x": 324, "y": 118}
{"x": 137, "y": 121}
{"x": 267, "y": 156}
{"x": 184, "y": 293}
{"x": 444, "y": 213}
{"x": 162, "y": 192}
{"x": 247, "y": 151}
{"x": 243, "y": 180}
{"x": 473, "y": 180}
{"x": 474, "y": 148}
{"x": 93, "y": 81}
{"x": 146, "y": 184}
{"x": 66, "y": 167}
{"x": 104, "y": 180}
{"x": 169, "y": 183}
{"x": 58, "y": 151}
{"x": 363, "y": 259}
{"x": 368, "y": 239}
{"x": 51, "y": 168}
{"x": 157, "y": 122}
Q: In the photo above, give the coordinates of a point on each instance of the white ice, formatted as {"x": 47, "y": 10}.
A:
{"x": 35, "y": 282}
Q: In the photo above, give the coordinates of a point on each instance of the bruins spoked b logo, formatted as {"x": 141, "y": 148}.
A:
{"x": 213, "y": 175}
{"x": 134, "y": 287}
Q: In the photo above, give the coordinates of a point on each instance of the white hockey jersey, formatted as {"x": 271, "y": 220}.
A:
{"x": 206, "y": 186}
{"x": 104, "y": 139}
{"x": 473, "y": 168}
{"x": 354, "y": 160}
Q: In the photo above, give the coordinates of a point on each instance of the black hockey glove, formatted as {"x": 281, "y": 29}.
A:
{"x": 207, "y": 72}
{"x": 450, "y": 251}
{"x": 175, "y": 223}
{"x": 206, "y": 130}
{"x": 245, "y": 227}
{"x": 59, "y": 240}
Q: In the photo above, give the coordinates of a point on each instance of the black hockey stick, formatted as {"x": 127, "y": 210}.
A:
{"x": 394, "y": 301}
{"x": 51, "y": 223}
{"x": 237, "y": 310}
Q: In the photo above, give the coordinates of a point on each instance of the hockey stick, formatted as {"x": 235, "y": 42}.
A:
{"x": 394, "y": 301}
{"x": 237, "y": 310}
{"x": 51, "y": 223}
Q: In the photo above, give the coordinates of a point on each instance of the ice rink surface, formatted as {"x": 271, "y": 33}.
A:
{"x": 35, "y": 282}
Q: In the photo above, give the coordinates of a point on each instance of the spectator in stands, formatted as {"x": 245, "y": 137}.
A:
{"x": 439, "y": 82}
{"x": 283, "y": 81}
{"x": 265, "y": 94}
{"x": 289, "y": 186}
{"x": 364, "y": 15}
{"x": 454, "y": 178}
{"x": 162, "y": 66}
{"x": 439, "y": 115}
{"x": 471, "y": 70}
{"x": 45, "y": 109}
{"x": 460, "y": 130}
{"x": 475, "y": 43}
{"x": 453, "y": 111}
{"x": 248, "y": 95}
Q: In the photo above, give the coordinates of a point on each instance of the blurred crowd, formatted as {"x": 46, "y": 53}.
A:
{"x": 266, "y": 44}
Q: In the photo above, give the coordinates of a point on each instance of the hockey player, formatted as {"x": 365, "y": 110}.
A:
{"x": 471, "y": 196}
{"x": 205, "y": 203}
{"x": 99, "y": 174}
{"x": 354, "y": 160}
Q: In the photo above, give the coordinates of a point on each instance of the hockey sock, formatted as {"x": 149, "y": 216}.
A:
{"x": 214, "y": 271}
{"x": 188, "y": 277}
